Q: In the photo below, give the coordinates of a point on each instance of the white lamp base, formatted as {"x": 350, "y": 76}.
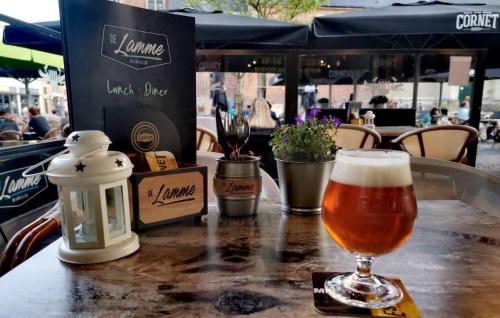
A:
{"x": 91, "y": 256}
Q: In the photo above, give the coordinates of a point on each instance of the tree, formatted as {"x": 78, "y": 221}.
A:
{"x": 285, "y": 10}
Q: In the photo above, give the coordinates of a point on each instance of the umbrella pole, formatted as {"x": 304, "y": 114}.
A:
{"x": 330, "y": 104}
{"x": 440, "y": 93}
{"x": 27, "y": 90}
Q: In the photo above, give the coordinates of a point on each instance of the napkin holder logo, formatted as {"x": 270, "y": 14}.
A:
{"x": 145, "y": 137}
{"x": 477, "y": 21}
{"x": 135, "y": 49}
{"x": 16, "y": 190}
{"x": 171, "y": 195}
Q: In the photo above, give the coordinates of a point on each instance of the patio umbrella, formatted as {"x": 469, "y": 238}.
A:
{"x": 214, "y": 30}
{"x": 421, "y": 25}
{"x": 13, "y": 57}
{"x": 23, "y": 64}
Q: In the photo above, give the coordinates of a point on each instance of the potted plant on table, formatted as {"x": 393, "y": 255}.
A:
{"x": 304, "y": 154}
{"x": 379, "y": 101}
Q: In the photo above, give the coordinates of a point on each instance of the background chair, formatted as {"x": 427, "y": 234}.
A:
{"x": 356, "y": 137}
{"x": 207, "y": 122}
{"x": 10, "y": 135}
{"x": 270, "y": 189}
{"x": 65, "y": 131}
{"x": 51, "y": 134}
{"x": 26, "y": 241}
{"x": 206, "y": 140}
{"x": 439, "y": 142}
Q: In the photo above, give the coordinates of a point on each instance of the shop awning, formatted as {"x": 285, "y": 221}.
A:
{"x": 421, "y": 25}
{"x": 214, "y": 30}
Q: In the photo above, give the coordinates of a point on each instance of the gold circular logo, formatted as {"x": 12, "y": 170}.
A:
{"x": 145, "y": 137}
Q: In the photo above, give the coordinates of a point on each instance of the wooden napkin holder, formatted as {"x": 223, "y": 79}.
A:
{"x": 167, "y": 196}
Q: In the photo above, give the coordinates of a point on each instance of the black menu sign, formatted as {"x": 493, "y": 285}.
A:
{"x": 131, "y": 73}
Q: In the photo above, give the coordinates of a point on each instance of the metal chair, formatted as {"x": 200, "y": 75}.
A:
{"x": 439, "y": 142}
{"x": 356, "y": 137}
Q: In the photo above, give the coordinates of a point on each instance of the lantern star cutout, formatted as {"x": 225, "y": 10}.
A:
{"x": 80, "y": 167}
{"x": 119, "y": 163}
{"x": 75, "y": 137}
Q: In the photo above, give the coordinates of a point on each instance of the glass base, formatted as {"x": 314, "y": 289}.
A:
{"x": 366, "y": 292}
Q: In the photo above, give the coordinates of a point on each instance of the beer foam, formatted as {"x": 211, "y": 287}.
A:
{"x": 372, "y": 168}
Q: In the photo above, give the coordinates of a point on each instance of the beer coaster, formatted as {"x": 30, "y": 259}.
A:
{"x": 329, "y": 306}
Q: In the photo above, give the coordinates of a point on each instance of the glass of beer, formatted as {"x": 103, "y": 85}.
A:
{"x": 369, "y": 209}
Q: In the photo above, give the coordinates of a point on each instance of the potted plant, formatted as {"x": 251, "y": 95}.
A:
{"x": 379, "y": 101}
{"x": 304, "y": 154}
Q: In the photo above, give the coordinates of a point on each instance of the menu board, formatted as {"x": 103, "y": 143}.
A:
{"x": 130, "y": 72}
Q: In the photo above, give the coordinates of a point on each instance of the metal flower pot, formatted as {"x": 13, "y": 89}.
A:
{"x": 302, "y": 185}
{"x": 237, "y": 186}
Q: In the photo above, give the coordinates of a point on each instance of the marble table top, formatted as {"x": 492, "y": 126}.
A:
{"x": 261, "y": 266}
{"x": 393, "y": 131}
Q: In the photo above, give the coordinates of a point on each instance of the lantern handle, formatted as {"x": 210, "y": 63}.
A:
{"x": 25, "y": 172}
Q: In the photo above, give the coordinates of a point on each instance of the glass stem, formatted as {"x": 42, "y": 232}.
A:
{"x": 363, "y": 266}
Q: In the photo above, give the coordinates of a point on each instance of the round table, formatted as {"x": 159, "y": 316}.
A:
{"x": 262, "y": 265}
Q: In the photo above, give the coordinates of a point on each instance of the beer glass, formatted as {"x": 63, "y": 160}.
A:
{"x": 369, "y": 209}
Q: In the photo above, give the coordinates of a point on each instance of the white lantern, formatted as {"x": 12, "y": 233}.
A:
{"x": 93, "y": 196}
{"x": 369, "y": 120}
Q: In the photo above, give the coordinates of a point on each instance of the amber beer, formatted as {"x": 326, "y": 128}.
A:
{"x": 369, "y": 206}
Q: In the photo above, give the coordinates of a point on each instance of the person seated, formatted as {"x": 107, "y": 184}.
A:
{"x": 444, "y": 117}
{"x": 54, "y": 120}
{"x": 273, "y": 113}
{"x": 432, "y": 117}
{"x": 463, "y": 112}
{"x": 37, "y": 123}
{"x": 6, "y": 121}
{"x": 261, "y": 115}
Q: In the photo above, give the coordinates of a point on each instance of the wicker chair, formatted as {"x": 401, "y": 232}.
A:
{"x": 206, "y": 140}
{"x": 439, "y": 142}
{"x": 10, "y": 135}
{"x": 25, "y": 242}
{"x": 51, "y": 134}
{"x": 356, "y": 137}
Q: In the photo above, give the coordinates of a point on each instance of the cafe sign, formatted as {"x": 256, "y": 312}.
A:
{"x": 16, "y": 190}
{"x": 477, "y": 21}
{"x": 134, "y": 48}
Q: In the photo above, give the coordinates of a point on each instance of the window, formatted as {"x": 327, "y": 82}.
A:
{"x": 435, "y": 91}
{"x": 155, "y": 4}
{"x": 332, "y": 80}
{"x": 220, "y": 78}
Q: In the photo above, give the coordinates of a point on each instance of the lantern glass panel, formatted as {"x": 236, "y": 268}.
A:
{"x": 116, "y": 211}
{"x": 83, "y": 216}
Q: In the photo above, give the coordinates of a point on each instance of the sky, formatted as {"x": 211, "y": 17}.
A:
{"x": 31, "y": 10}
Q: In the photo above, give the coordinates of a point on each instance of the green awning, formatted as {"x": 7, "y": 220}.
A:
{"x": 13, "y": 57}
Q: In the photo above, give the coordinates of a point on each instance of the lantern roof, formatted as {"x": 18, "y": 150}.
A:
{"x": 89, "y": 161}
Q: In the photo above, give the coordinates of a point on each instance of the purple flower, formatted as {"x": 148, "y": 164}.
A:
{"x": 336, "y": 121}
{"x": 298, "y": 120}
{"x": 325, "y": 120}
{"x": 285, "y": 138}
{"x": 313, "y": 113}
